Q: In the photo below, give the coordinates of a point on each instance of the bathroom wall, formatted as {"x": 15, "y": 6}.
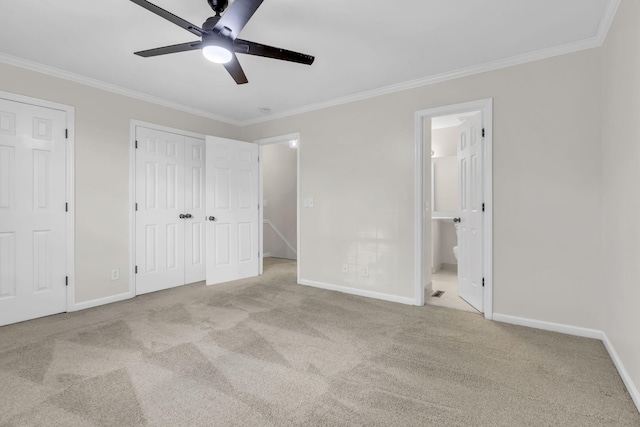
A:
{"x": 436, "y": 257}
{"x": 448, "y": 239}
{"x": 443, "y": 141}
{"x": 445, "y": 173}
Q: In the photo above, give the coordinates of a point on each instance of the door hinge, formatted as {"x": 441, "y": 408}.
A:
{"x": 66, "y": 280}
{"x": 136, "y": 271}
{"x": 483, "y": 207}
{"x": 483, "y": 132}
{"x": 483, "y": 282}
{"x": 66, "y": 207}
{"x": 136, "y": 143}
{"x": 137, "y": 207}
{"x": 66, "y": 134}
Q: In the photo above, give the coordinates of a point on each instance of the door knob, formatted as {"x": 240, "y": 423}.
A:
{"x": 456, "y": 219}
{"x": 212, "y": 218}
{"x": 182, "y": 216}
{"x": 188, "y": 216}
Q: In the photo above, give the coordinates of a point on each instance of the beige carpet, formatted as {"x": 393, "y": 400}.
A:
{"x": 268, "y": 352}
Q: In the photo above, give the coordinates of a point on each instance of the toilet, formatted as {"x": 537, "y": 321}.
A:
{"x": 455, "y": 248}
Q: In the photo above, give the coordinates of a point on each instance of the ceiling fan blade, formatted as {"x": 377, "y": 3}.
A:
{"x": 182, "y": 47}
{"x": 194, "y": 29}
{"x": 252, "y": 48}
{"x": 235, "y": 69}
{"x": 236, "y": 17}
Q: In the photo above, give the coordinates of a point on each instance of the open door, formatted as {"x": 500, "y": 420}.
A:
{"x": 232, "y": 182}
{"x": 470, "y": 287}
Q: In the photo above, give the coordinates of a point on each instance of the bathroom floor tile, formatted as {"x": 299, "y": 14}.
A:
{"x": 447, "y": 281}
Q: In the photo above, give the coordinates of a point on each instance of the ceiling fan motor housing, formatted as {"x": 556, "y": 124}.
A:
{"x": 210, "y": 23}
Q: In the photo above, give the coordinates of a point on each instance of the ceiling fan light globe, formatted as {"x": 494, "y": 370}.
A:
{"x": 217, "y": 54}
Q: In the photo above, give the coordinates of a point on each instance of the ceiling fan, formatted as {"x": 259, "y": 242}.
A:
{"x": 219, "y": 42}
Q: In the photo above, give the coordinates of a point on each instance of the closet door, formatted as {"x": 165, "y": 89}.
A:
{"x": 194, "y": 207}
{"x": 160, "y": 255}
{"x": 32, "y": 212}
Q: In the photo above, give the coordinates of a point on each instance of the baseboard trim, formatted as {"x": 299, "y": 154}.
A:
{"x": 580, "y": 332}
{"x": 626, "y": 378}
{"x": 549, "y": 326}
{"x": 100, "y": 301}
{"x": 359, "y": 292}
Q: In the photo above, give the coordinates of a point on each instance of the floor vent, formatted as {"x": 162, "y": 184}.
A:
{"x": 437, "y": 294}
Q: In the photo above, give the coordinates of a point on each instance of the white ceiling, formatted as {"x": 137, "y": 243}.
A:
{"x": 362, "y": 47}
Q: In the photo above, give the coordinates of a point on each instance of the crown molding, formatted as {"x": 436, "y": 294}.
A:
{"x": 607, "y": 20}
{"x": 596, "y": 41}
{"x": 87, "y": 81}
{"x": 451, "y": 75}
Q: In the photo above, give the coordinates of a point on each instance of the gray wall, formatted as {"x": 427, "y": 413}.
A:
{"x": 620, "y": 288}
{"x": 357, "y": 161}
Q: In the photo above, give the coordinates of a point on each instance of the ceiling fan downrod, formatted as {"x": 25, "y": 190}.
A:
{"x": 218, "y": 6}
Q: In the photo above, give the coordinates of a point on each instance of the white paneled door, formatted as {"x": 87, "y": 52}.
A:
{"x": 194, "y": 207}
{"x": 32, "y": 211}
{"x": 470, "y": 163}
{"x": 169, "y": 210}
{"x": 232, "y": 210}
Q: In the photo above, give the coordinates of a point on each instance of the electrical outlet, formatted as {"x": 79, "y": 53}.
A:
{"x": 365, "y": 271}
{"x": 345, "y": 268}
{"x": 115, "y": 274}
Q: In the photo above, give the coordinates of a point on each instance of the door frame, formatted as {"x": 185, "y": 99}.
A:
{"x": 69, "y": 186}
{"x": 277, "y": 140}
{"x": 486, "y": 107}
{"x": 132, "y": 188}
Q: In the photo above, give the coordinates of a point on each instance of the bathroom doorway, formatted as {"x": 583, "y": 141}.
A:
{"x": 447, "y": 133}
{"x": 455, "y": 209}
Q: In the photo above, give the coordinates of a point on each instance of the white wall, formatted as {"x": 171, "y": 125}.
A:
{"x": 445, "y": 185}
{"x": 444, "y": 141}
{"x": 448, "y": 239}
{"x": 445, "y": 163}
{"x": 279, "y": 177}
{"x": 358, "y": 163}
{"x": 436, "y": 259}
{"x": 445, "y": 173}
{"x": 620, "y": 288}
{"x": 102, "y": 187}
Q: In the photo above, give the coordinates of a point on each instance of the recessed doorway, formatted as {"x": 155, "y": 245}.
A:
{"x": 454, "y": 208}
{"x": 279, "y": 191}
{"x": 448, "y": 170}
